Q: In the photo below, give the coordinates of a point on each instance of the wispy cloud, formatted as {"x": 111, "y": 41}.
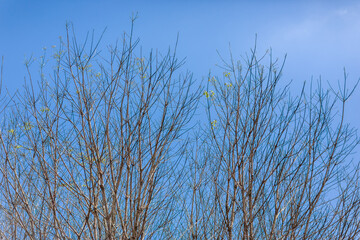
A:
{"x": 339, "y": 22}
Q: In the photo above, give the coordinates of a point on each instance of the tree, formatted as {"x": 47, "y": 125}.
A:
{"x": 95, "y": 153}
{"x": 274, "y": 166}
{"x": 106, "y": 147}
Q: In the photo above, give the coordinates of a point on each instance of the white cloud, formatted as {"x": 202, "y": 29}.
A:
{"x": 341, "y": 12}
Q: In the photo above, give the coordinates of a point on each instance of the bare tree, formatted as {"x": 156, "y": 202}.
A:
{"x": 93, "y": 151}
{"x": 105, "y": 147}
{"x": 273, "y": 166}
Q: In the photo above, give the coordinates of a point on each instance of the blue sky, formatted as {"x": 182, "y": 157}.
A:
{"x": 319, "y": 37}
